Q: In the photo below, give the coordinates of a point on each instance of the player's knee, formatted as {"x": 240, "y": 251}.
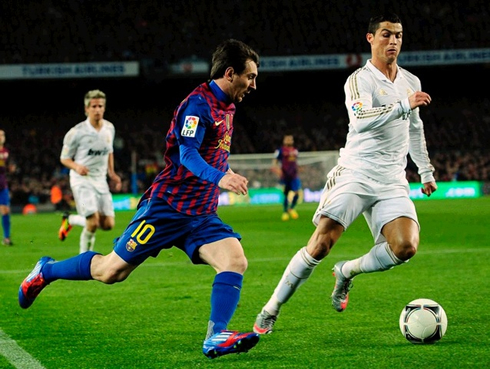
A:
{"x": 239, "y": 265}
{"x": 107, "y": 227}
{"x": 106, "y": 272}
{"x": 235, "y": 263}
{"x": 112, "y": 276}
{"x": 107, "y": 224}
{"x": 92, "y": 224}
{"x": 406, "y": 249}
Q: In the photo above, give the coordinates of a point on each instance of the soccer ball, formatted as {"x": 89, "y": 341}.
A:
{"x": 423, "y": 321}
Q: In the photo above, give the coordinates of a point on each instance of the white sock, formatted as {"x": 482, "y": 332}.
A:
{"x": 297, "y": 272}
{"x": 87, "y": 240}
{"x": 378, "y": 259}
{"x": 92, "y": 242}
{"x": 76, "y": 219}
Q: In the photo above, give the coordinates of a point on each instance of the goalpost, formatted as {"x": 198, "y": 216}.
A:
{"x": 313, "y": 168}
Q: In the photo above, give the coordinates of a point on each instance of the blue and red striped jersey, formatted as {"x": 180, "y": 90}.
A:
{"x": 289, "y": 162}
{"x": 204, "y": 121}
{"x": 4, "y": 159}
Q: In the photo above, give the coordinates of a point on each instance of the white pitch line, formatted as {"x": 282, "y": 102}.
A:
{"x": 14, "y": 354}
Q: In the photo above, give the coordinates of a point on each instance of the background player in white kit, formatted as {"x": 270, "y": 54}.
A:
{"x": 382, "y": 101}
{"x": 88, "y": 153}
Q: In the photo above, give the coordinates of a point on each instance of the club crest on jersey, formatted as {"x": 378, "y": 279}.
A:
{"x": 190, "y": 126}
{"x": 131, "y": 245}
{"x": 356, "y": 106}
{"x": 224, "y": 143}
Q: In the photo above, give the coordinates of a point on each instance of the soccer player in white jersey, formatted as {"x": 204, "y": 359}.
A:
{"x": 382, "y": 100}
{"x": 88, "y": 153}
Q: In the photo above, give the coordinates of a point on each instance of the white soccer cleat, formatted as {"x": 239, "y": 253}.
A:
{"x": 340, "y": 293}
{"x": 264, "y": 322}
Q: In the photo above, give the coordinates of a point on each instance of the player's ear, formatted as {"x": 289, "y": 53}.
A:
{"x": 369, "y": 37}
{"x": 229, "y": 74}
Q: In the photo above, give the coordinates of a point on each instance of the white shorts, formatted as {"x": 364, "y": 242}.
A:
{"x": 347, "y": 194}
{"x": 89, "y": 199}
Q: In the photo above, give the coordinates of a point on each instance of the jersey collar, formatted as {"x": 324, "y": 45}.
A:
{"x": 380, "y": 75}
{"x": 218, "y": 92}
{"x": 87, "y": 121}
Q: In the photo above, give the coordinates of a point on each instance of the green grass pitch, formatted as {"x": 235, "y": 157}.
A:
{"x": 158, "y": 317}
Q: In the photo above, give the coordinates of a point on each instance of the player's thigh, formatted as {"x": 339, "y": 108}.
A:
{"x": 105, "y": 205}
{"x": 344, "y": 198}
{"x": 211, "y": 230}
{"x": 402, "y": 234}
{"x": 85, "y": 200}
{"x": 106, "y": 211}
{"x": 386, "y": 211}
{"x": 224, "y": 255}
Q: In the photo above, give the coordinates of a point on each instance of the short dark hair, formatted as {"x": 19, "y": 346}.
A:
{"x": 231, "y": 53}
{"x": 376, "y": 20}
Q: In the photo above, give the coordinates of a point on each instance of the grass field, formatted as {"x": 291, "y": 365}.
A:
{"x": 158, "y": 317}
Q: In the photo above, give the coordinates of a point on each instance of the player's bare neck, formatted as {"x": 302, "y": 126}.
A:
{"x": 388, "y": 69}
{"x": 97, "y": 124}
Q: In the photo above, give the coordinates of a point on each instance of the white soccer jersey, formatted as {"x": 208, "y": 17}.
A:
{"x": 89, "y": 147}
{"x": 382, "y": 127}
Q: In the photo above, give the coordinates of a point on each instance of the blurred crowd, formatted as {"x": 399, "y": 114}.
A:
{"x": 165, "y": 31}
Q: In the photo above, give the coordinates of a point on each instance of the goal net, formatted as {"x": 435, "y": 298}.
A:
{"x": 313, "y": 168}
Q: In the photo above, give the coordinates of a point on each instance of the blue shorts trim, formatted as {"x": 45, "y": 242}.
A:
{"x": 5, "y": 197}
{"x": 157, "y": 226}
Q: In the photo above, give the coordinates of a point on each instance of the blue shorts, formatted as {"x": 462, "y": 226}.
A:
{"x": 291, "y": 184}
{"x": 157, "y": 226}
{"x": 5, "y": 197}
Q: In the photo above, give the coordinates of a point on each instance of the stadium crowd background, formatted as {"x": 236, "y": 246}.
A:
{"x": 37, "y": 113}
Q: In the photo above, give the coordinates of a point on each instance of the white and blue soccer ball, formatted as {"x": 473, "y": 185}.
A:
{"x": 423, "y": 321}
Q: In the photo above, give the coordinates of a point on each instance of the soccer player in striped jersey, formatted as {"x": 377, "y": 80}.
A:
{"x": 180, "y": 207}
{"x": 89, "y": 154}
{"x": 285, "y": 163}
{"x": 383, "y": 101}
{"x": 5, "y": 167}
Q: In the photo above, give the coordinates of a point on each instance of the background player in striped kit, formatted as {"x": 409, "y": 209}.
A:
{"x": 89, "y": 154}
{"x": 179, "y": 208}
{"x": 5, "y": 167}
{"x": 382, "y": 100}
{"x": 285, "y": 164}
